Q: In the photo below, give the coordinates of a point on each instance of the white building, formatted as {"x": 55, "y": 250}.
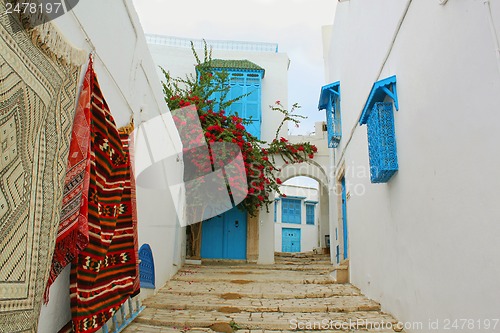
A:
{"x": 234, "y": 235}
{"x": 174, "y": 54}
{"x": 420, "y": 232}
{"x": 296, "y": 220}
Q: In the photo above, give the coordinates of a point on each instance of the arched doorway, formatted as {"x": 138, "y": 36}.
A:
{"x": 302, "y": 215}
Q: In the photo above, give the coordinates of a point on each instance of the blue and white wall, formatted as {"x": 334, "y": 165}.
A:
{"x": 131, "y": 86}
{"x": 424, "y": 244}
{"x": 299, "y": 196}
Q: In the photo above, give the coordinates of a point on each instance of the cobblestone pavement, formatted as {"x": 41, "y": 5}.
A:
{"x": 295, "y": 294}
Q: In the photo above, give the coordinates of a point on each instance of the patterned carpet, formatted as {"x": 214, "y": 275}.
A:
{"x": 103, "y": 277}
{"x": 37, "y": 105}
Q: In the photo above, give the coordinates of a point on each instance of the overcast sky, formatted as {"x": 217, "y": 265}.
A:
{"x": 294, "y": 24}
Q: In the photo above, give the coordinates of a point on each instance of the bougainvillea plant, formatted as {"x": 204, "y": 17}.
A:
{"x": 220, "y": 125}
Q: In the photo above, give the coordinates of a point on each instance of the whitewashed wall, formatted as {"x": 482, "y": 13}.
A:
{"x": 426, "y": 244}
{"x": 130, "y": 83}
{"x": 180, "y": 61}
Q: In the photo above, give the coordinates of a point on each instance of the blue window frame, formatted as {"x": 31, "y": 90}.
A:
{"x": 291, "y": 211}
{"x": 378, "y": 115}
{"x": 329, "y": 101}
{"x": 241, "y": 83}
{"x": 310, "y": 214}
{"x": 275, "y": 210}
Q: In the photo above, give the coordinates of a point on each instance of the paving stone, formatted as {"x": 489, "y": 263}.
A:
{"x": 297, "y": 290}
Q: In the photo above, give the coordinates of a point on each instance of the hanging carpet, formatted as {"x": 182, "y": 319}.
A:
{"x": 103, "y": 274}
{"x": 38, "y": 85}
{"x": 127, "y": 138}
{"x": 73, "y": 234}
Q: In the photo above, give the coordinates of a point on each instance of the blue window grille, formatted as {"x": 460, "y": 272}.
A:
{"x": 310, "y": 214}
{"x": 248, "y": 107}
{"x": 291, "y": 211}
{"x": 379, "y": 118}
{"x": 146, "y": 267}
{"x": 329, "y": 101}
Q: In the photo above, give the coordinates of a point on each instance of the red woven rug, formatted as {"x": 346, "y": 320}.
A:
{"x": 103, "y": 274}
{"x": 128, "y": 147}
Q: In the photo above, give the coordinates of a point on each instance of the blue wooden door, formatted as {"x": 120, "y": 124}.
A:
{"x": 344, "y": 220}
{"x": 212, "y": 234}
{"x": 225, "y": 236}
{"x": 235, "y": 237}
{"x": 290, "y": 240}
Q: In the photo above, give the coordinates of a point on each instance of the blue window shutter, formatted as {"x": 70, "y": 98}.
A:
{"x": 382, "y": 143}
{"x": 310, "y": 214}
{"x": 248, "y": 107}
{"x": 291, "y": 211}
{"x": 330, "y": 102}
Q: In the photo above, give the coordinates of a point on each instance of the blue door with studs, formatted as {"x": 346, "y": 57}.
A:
{"x": 225, "y": 236}
{"x": 290, "y": 240}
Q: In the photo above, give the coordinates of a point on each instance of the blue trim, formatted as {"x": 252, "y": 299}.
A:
{"x": 326, "y": 92}
{"x": 329, "y": 100}
{"x": 344, "y": 220}
{"x": 380, "y": 89}
{"x": 275, "y": 210}
{"x": 240, "y": 70}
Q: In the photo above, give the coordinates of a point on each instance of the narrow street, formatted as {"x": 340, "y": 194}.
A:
{"x": 294, "y": 294}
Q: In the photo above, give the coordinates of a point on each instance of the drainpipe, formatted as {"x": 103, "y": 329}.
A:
{"x": 494, "y": 35}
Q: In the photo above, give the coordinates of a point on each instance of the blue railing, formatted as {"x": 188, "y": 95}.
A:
{"x": 122, "y": 318}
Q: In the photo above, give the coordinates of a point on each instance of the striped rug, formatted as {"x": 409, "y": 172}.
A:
{"x": 103, "y": 275}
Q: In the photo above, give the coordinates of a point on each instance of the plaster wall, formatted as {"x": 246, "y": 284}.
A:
{"x": 424, "y": 244}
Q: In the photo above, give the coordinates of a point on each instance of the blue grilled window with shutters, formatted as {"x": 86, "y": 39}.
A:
{"x": 243, "y": 82}
{"x": 329, "y": 101}
{"x": 291, "y": 211}
{"x": 310, "y": 214}
{"x": 378, "y": 115}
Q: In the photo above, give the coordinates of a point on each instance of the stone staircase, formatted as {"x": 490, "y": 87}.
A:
{"x": 297, "y": 293}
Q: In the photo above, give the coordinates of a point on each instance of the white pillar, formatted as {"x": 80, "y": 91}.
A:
{"x": 266, "y": 236}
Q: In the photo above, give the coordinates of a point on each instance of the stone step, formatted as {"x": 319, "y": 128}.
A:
{"x": 268, "y": 290}
{"x": 253, "y": 276}
{"x": 143, "y": 328}
{"x": 244, "y": 304}
{"x": 310, "y": 254}
{"x": 316, "y": 266}
{"x": 266, "y": 320}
